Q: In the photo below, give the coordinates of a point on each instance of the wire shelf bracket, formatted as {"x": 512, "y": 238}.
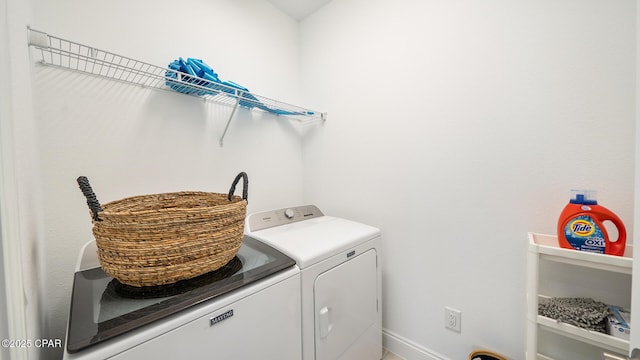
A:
{"x": 61, "y": 53}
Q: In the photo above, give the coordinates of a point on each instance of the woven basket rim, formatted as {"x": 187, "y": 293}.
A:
{"x": 235, "y": 199}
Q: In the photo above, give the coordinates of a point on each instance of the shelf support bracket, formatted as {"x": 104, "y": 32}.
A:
{"x": 233, "y": 112}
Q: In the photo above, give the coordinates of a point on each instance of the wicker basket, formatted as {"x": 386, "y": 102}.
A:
{"x": 160, "y": 239}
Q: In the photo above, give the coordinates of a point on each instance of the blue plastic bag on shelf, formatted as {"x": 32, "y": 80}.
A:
{"x": 181, "y": 74}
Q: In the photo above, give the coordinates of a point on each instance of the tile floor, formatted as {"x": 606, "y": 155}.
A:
{"x": 388, "y": 355}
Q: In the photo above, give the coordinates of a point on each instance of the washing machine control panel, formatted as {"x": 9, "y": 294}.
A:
{"x": 289, "y": 213}
{"x": 272, "y": 218}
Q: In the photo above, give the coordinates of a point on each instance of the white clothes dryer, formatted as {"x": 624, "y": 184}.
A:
{"x": 339, "y": 263}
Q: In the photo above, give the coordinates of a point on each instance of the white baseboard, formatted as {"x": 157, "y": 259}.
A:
{"x": 406, "y": 348}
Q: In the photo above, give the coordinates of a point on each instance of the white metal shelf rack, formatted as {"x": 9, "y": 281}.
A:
{"x": 58, "y": 52}
{"x": 545, "y": 247}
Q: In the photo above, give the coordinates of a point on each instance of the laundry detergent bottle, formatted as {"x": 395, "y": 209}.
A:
{"x": 580, "y": 226}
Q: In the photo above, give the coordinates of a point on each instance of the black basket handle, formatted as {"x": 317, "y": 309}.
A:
{"x": 245, "y": 183}
{"x": 92, "y": 200}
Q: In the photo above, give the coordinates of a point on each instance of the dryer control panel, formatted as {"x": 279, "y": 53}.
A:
{"x": 273, "y": 218}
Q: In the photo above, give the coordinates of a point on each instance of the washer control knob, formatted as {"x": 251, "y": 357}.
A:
{"x": 289, "y": 213}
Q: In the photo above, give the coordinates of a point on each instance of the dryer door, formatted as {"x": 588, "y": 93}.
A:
{"x": 346, "y": 310}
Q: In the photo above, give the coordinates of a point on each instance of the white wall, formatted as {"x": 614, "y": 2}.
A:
{"x": 457, "y": 127}
{"x": 454, "y": 126}
{"x": 20, "y": 195}
{"x": 128, "y": 140}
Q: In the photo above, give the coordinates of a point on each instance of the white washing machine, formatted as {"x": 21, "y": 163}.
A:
{"x": 339, "y": 263}
{"x": 248, "y": 309}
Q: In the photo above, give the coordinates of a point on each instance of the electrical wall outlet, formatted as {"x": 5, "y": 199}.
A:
{"x": 452, "y": 319}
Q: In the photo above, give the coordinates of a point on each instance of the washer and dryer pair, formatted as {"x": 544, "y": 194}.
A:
{"x": 339, "y": 263}
{"x": 302, "y": 286}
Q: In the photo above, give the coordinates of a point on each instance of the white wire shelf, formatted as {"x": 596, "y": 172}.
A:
{"x": 70, "y": 55}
